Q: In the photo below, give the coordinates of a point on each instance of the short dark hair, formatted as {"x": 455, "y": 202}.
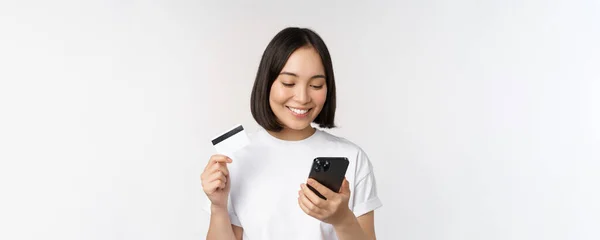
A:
{"x": 273, "y": 60}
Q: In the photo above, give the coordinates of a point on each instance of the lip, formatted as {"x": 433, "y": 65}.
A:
{"x": 298, "y": 108}
{"x": 299, "y": 115}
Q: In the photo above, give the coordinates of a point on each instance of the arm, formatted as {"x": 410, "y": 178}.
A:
{"x": 354, "y": 228}
{"x": 238, "y": 232}
{"x": 216, "y": 185}
{"x": 220, "y": 226}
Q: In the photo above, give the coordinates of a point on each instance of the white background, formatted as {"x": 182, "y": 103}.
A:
{"x": 481, "y": 117}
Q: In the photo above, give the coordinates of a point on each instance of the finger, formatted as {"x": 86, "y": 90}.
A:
{"x": 217, "y": 176}
{"x": 214, "y": 177}
{"x": 214, "y": 165}
{"x": 222, "y": 159}
{"x": 312, "y": 209}
{"x": 316, "y": 200}
{"x": 214, "y": 186}
{"x": 326, "y": 192}
{"x": 345, "y": 189}
{"x": 220, "y": 167}
{"x": 304, "y": 208}
{"x": 218, "y": 158}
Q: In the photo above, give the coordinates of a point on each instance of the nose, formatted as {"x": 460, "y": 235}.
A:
{"x": 301, "y": 95}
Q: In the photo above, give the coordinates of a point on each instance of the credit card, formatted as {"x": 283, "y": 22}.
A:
{"x": 231, "y": 141}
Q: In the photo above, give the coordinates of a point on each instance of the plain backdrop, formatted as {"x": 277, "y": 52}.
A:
{"x": 481, "y": 118}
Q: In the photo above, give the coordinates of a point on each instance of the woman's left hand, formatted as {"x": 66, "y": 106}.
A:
{"x": 334, "y": 210}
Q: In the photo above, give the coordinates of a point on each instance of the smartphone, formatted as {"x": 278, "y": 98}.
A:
{"x": 329, "y": 171}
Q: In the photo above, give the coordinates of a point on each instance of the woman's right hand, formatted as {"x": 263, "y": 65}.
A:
{"x": 215, "y": 180}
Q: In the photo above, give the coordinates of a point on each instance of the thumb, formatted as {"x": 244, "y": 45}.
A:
{"x": 345, "y": 189}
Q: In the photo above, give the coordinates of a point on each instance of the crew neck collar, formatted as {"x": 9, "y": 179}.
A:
{"x": 277, "y": 140}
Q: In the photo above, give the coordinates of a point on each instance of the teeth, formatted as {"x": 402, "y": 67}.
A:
{"x": 298, "y": 111}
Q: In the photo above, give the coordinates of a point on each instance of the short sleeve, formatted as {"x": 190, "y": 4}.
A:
{"x": 365, "y": 188}
{"x": 232, "y": 216}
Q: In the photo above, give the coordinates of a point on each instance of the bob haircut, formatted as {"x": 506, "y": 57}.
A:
{"x": 273, "y": 59}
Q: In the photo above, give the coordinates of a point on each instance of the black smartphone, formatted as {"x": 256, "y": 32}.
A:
{"x": 329, "y": 171}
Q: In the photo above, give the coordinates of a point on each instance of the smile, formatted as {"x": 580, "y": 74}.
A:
{"x": 299, "y": 111}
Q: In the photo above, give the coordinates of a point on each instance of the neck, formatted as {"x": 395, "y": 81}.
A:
{"x": 293, "y": 135}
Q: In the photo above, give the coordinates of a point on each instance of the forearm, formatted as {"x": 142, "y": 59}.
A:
{"x": 350, "y": 229}
{"x": 220, "y": 225}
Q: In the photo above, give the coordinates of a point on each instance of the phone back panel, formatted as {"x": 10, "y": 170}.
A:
{"x": 329, "y": 171}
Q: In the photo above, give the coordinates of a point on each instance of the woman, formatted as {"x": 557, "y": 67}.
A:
{"x": 260, "y": 192}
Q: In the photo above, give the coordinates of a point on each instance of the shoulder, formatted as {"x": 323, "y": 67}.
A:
{"x": 359, "y": 160}
{"x": 339, "y": 141}
{"x": 353, "y": 150}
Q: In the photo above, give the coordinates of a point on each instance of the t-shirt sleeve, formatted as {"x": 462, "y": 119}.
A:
{"x": 233, "y": 217}
{"x": 365, "y": 187}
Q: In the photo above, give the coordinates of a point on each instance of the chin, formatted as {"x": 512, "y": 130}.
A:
{"x": 297, "y": 126}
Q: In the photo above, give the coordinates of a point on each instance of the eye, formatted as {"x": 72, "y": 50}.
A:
{"x": 317, "y": 86}
{"x": 287, "y": 84}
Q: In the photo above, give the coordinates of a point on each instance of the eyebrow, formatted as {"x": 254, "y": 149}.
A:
{"x": 295, "y": 75}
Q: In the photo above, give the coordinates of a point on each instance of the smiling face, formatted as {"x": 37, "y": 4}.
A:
{"x": 298, "y": 94}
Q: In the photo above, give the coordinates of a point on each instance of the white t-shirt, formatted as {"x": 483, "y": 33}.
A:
{"x": 266, "y": 177}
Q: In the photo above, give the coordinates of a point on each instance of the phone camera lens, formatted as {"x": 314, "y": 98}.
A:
{"x": 326, "y": 165}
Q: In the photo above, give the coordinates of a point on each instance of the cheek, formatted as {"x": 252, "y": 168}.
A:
{"x": 278, "y": 95}
{"x": 320, "y": 97}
